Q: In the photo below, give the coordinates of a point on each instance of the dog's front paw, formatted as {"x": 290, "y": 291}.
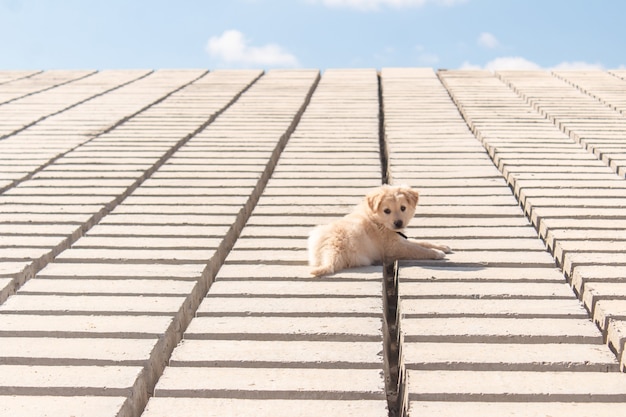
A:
{"x": 437, "y": 254}
{"x": 445, "y": 249}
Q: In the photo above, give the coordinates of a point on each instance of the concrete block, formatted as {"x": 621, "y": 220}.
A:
{"x": 58, "y": 351}
{"x": 421, "y": 233}
{"x": 98, "y": 270}
{"x": 276, "y": 353}
{"x": 137, "y": 304}
{"x": 77, "y": 406}
{"x": 137, "y": 254}
{"x": 273, "y": 383}
{"x": 616, "y": 339}
{"x": 172, "y": 219}
{"x": 581, "y": 217}
{"x": 179, "y": 243}
{"x": 283, "y": 257}
{"x": 512, "y": 409}
{"x": 296, "y": 272}
{"x": 23, "y": 253}
{"x": 61, "y": 230}
{"x": 75, "y": 325}
{"x": 267, "y": 327}
{"x": 87, "y": 286}
{"x": 562, "y": 247}
{"x": 79, "y": 380}
{"x": 555, "y": 235}
{"x": 297, "y": 304}
{"x": 516, "y": 386}
{"x": 296, "y": 288}
{"x": 478, "y": 329}
{"x": 606, "y": 310}
{"x": 584, "y": 274}
{"x": 491, "y": 307}
{"x": 160, "y": 230}
{"x": 477, "y": 290}
{"x": 216, "y": 407}
{"x": 595, "y": 291}
{"x": 574, "y": 259}
{"x": 285, "y": 243}
{"x": 536, "y": 357}
{"x": 479, "y": 273}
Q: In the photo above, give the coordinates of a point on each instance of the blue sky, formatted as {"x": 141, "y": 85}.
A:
{"x": 492, "y": 34}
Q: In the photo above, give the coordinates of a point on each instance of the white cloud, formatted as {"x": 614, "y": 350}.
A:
{"x": 487, "y": 40}
{"x": 466, "y": 65}
{"x": 578, "y": 65}
{"x": 511, "y": 63}
{"x": 370, "y": 5}
{"x": 232, "y": 48}
{"x": 519, "y": 63}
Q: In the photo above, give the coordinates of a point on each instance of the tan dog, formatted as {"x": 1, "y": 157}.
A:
{"x": 370, "y": 234}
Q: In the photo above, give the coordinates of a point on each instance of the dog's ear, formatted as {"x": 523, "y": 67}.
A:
{"x": 410, "y": 194}
{"x": 374, "y": 199}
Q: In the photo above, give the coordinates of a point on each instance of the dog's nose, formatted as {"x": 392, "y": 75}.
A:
{"x": 398, "y": 224}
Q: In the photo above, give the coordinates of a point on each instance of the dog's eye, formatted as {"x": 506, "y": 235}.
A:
{"x": 402, "y": 208}
{"x": 387, "y": 211}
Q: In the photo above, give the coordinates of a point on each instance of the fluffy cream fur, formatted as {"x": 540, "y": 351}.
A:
{"x": 369, "y": 235}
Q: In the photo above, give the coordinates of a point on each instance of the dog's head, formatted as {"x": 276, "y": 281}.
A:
{"x": 392, "y": 206}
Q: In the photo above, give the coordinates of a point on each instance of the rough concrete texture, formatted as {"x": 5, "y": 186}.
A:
{"x": 276, "y": 334}
{"x": 153, "y": 231}
{"x": 468, "y": 334}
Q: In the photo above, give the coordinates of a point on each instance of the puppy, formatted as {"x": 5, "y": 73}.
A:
{"x": 370, "y": 234}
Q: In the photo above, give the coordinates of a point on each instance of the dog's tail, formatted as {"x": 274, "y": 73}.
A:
{"x": 322, "y": 270}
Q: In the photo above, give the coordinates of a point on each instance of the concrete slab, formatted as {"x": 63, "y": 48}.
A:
{"x": 462, "y": 319}
{"x": 536, "y": 357}
{"x": 616, "y": 339}
{"x": 478, "y": 305}
{"x": 270, "y": 353}
{"x": 272, "y": 383}
{"x": 584, "y": 104}
{"x": 606, "y": 273}
{"x": 66, "y": 351}
{"x": 519, "y": 386}
{"x": 159, "y": 87}
{"x": 279, "y": 334}
{"x": 71, "y": 380}
{"x": 76, "y": 325}
{"x": 581, "y": 231}
{"x": 158, "y": 286}
{"x": 41, "y": 406}
{"x": 513, "y": 409}
{"x": 133, "y": 209}
{"x": 214, "y": 407}
{"x": 86, "y": 286}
